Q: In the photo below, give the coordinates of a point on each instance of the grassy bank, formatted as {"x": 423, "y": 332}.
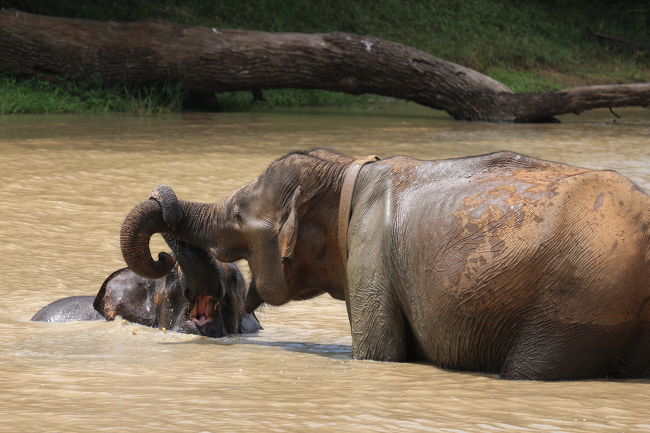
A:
{"x": 35, "y": 96}
{"x": 534, "y": 46}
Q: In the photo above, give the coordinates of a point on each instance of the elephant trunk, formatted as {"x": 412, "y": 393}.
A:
{"x": 164, "y": 213}
{"x": 140, "y": 224}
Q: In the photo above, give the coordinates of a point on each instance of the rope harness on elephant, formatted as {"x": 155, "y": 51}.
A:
{"x": 345, "y": 203}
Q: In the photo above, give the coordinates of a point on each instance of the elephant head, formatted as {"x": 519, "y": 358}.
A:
{"x": 284, "y": 224}
{"x": 215, "y": 293}
{"x": 214, "y": 309}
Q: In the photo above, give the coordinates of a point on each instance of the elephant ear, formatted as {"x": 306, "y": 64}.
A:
{"x": 289, "y": 230}
{"x": 99, "y": 304}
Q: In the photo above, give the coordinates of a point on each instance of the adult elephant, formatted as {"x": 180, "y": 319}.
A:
{"x": 497, "y": 263}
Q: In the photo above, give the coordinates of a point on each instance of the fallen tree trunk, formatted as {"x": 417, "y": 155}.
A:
{"x": 209, "y": 60}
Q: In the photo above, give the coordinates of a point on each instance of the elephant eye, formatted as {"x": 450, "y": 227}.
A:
{"x": 236, "y": 214}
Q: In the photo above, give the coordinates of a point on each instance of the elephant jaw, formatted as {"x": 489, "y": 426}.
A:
{"x": 203, "y": 310}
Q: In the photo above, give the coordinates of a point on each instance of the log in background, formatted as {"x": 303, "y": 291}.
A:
{"x": 207, "y": 60}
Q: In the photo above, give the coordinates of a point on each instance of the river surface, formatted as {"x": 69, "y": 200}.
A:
{"x": 68, "y": 182}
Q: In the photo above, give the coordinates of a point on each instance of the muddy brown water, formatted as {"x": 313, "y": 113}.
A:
{"x": 67, "y": 183}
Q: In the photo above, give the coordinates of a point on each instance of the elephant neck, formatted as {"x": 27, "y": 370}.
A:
{"x": 345, "y": 203}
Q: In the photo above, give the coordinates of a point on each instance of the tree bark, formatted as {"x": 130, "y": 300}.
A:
{"x": 210, "y": 60}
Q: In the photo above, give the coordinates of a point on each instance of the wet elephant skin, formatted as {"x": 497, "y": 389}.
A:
{"x": 68, "y": 309}
{"x": 161, "y": 302}
{"x": 498, "y": 263}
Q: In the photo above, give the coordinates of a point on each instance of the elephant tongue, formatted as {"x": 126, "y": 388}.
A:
{"x": 201, "y": 313}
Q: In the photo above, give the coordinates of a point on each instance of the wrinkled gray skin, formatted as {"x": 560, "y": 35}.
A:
{"x": 161, "y": 303}
{"x": 498, "y": 263}
{"x": 68, "y": 310}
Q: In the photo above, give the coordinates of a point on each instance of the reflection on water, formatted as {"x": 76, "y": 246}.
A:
{"x": 68, "y": 181}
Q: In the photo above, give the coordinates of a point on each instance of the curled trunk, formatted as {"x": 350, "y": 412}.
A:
{"x": 193, "y": 225}
{"x": 140, "y": 224}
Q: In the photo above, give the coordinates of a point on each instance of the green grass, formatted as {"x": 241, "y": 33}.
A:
{"x": 36, "y": 96}
{"x": 530, "y": 46}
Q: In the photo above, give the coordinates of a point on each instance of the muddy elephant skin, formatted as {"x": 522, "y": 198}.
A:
{"x": 497, "y": 263}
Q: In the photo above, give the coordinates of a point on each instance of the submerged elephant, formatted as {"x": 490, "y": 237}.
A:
{"x": 498, "y": 263}
{"x": 68, "y": 309}
{"x": 216, "y": 310}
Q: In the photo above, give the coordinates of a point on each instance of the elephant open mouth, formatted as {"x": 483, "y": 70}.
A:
{"x": 203, "y": 309}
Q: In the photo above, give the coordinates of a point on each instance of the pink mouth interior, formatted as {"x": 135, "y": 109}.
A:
{"x": 202, "y": 313}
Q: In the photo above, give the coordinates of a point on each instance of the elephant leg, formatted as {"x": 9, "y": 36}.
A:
{"x": 377, "y": 321}
{"x": 552, "y": 351}
{"x": 377, "y": 325}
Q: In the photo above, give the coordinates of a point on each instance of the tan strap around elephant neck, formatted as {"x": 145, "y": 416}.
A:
{"x": 345, "y": 203}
